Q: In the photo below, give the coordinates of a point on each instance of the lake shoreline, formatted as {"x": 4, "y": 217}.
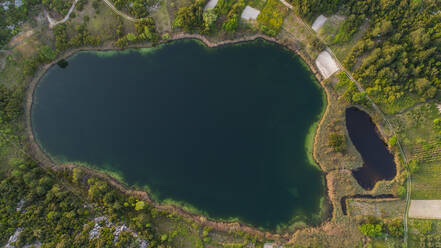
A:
{"x": 46, "y": 161}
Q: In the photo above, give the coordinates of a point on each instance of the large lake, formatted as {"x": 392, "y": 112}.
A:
{"x": 224, "y": 129}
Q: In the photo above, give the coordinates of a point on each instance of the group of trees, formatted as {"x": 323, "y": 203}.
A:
{"x": 190, "y": 18}
{"x": 11, "y": 18}
{"x": 402, "y": 49}
{"x": 82, "y": 37}
{"x": 193, "y": 18}
{"x": 309, "y": 9}
{"x": 145, "y": 31}
{"x": 10, "y": 103}
{"x": 59, "y": 6}
{"x": 45, "y": 55}
{"x": 47, "y": 212}
{"x": 399, "y": 56}
{"x": 137, "y": 8}
{"x": 233, "y": 17}
{"x": 271, "y": 17}
{"x": 350, "y": 93}
{"x": 374, "y": 227}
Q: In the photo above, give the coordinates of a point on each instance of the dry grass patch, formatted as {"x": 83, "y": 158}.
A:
{"x": 293, "y": 27}
{"x": 382, "y": 208}
{"x": 162, "y": 18}
{"x": 334, "y": 122}
{"x": 104, "y": 23}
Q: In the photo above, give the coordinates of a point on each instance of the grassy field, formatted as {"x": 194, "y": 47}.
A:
{"x": 257, "y": 4}
{"x": 330, "y": 28}
{"x": 415, "y": 130}
{"x": 293, "y": 29}
{"x": 426, "y": 183}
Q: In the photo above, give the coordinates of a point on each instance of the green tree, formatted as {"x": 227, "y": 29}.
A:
{"x": 395, "y": 228}
{"x": 392, "y": 142}
{"x": 190, "y": 18}
{"x": 210, "y": 17}
{"x": 77, "y": 173}
{"x": 46, "y": 54}
{"x": 401, "y": 192}
{"x": 371, "y": 230}
{"x": 139, "y": 205}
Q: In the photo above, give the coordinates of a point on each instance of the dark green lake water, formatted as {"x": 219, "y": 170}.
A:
{"x": 222, "y": 129}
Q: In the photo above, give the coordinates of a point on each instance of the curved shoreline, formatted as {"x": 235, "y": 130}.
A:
{"x": 227, "y": 226}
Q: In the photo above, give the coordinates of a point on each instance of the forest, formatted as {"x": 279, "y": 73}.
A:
{"x": 401, "y": 53}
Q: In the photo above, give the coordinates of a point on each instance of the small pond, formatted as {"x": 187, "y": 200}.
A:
{"x": 378, "y": 161}
{"x": 223, "y": 130}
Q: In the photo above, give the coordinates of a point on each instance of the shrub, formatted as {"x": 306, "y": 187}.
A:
{"x": 401, "y": 192}
{"x": 190, "y": 18}
{"x": 271, "y": 18}
{"x": 139, "y": 205}
{"x": 337, "y": 141}
{"x": 395, "y": 228}
{"x": 423, "y": 226}
{"x": 371, "y": 230}
{"x": 392, "y": 141}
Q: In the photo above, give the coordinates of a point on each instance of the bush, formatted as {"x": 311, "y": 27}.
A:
{"x": 401, "y": 192}
{"x": 392, "y": 141}
{"x": 190, "y": 18}
{"x": 233, "y": 16}
{"x": 413, "y": 166}
{"x": 371, "y": 230}
{"x": 139, "y": 205}
{"x": 396, "y": 228}
{"x": 271, "y": 18}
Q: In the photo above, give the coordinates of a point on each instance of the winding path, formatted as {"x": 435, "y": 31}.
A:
{"x": 53, "y": 23}
{"x": 123, "y": 15}
{"x": 361, "y": 89}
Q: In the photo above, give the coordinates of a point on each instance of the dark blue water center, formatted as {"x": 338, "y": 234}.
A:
{"x": 378, "y": 161}
{"x": 222, "y": 129}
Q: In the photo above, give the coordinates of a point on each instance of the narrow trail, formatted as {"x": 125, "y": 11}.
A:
{"x": 123, "y": 15}
{"x": 361, "y": 89}
{"x": 53, "y": 23}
